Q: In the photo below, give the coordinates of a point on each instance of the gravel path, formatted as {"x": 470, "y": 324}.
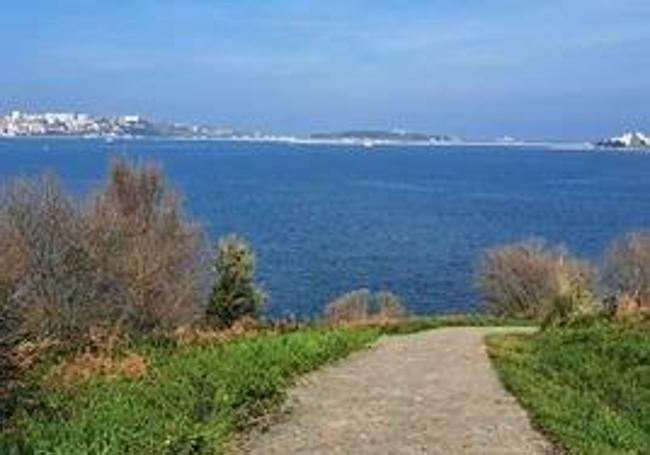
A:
{"x": 429, "y": 393}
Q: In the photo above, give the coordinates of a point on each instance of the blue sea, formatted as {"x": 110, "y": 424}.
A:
{"x": 415, "y": 220}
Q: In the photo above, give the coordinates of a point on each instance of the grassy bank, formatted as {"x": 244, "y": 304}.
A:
{"x": 588, "y": 388}
{"x": 185, "y": 397}
{"x": 191, "y": 399}
{"x": 419, "y": 324}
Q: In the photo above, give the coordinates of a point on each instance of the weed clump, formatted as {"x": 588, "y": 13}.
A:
{"x": 362, "y": 305}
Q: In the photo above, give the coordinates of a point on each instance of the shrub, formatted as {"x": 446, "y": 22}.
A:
{"x": 387, "y": 305}
{"x": 530, "y": 280}
{"x": 568, "y": 309}
{"x": 352, "y": 306}
{"x": 126, "y": 259}
{"x": 47, "y": 272}
{"x": 9, "y": 367}
{"x": 235, "y": 294}
{"x": 362, "y": 305}
{"x": 626, "y": 271}
{"x": 139, "y": 234}
{"x": 9, "y": 338}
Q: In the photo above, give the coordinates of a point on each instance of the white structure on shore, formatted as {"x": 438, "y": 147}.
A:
{"x": 627, "y": 140}
{"x": 84, "y": 125}
{"x": 57, "y": 123}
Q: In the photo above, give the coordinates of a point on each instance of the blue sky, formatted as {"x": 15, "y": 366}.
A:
{"x": 477, "y": 68}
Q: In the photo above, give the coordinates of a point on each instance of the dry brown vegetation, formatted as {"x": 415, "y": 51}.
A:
{"x": 531, "y": 280}
{"x": 125, "y": 260}
{"x": 206, "y": 334}
{"x": 362, "y": 306}
{"x": 626, "y": 272}
{"x": 87, "y": 365}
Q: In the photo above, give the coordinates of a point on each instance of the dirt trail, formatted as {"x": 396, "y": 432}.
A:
{"x": 429, "y": 393}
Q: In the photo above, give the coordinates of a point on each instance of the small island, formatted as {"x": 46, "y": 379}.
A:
{"x": 381, "y": 137}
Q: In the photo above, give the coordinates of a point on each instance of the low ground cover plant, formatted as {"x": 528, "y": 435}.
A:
{"x": 588, "y": 388}
{"x": 191, "y": 399}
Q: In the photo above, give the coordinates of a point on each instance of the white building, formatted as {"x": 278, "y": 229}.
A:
{"x": 131, "y": 119}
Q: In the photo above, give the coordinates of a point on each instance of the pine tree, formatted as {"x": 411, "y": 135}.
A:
{"x": 235, "y": 294}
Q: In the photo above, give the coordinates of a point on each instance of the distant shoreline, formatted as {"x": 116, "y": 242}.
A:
{"x": 366, "y": 144}
{"x": 356, "y": 143}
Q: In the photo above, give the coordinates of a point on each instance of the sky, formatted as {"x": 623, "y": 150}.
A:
{"x": 551, "y": 69}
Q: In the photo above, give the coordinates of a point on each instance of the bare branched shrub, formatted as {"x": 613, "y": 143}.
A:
{"x": 530, "y": 280}
{"x": 9, "y": 326}
{"x": 362, "y": 305}
{"x": 139, "y": 235}
{"x": 350, "y": 307}
{"x": 48, "y": 275}
{"x": 127, "y": 259}
{"x": 9, "y": 367}
{"x": 626, "y": 272}
{"x": 235, "y": 294}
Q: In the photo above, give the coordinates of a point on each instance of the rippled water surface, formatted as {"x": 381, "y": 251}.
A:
{"x": 414, "y": 220}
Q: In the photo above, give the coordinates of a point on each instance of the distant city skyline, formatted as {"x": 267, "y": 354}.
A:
{"x": 473, "y": 68}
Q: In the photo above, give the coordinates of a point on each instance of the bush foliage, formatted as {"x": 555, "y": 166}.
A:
{"x": 235, "y": 294}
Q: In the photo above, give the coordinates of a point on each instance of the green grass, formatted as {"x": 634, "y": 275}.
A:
{"x": 192, "y": 400}
{"x": 587, "y": 388}
{"x": 422, "y": 323}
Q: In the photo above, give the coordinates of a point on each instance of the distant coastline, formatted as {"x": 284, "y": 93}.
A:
{"x": 81, "y": 126}
{"x": 291, "y": 140}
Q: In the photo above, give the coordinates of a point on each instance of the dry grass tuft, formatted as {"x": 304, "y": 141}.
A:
{"x": 87, "y": 365}
{"x": 209, "y": 335}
